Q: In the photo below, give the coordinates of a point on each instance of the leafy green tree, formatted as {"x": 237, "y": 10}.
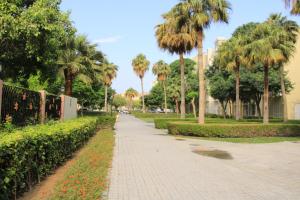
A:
{"x": 119, "y": 101}
{"x": 162, "y": 71}
{"x": 140, "y": 66}
{"x": 155, "y": 97}
{"x": 35, "y": 82}
{"x": 32, "y": 34}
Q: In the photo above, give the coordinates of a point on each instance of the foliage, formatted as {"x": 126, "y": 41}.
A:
{"x": 233, "y": 130}
{"x": 35, "y": 83}
{"x": 162, "y": 123}
{"x": 155, "y": 97}
{"x": 31, "y": 36}
{"x": 94, "y": 162}
{"x": 30, "y": 154}
{"x": 119, "y": 101}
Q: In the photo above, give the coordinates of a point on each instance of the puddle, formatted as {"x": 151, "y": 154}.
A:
{"x": 180, "y": 139}
{"x": 214, "y": 153}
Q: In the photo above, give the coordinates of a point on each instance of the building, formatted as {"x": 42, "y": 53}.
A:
{"x": 276, "y": 105}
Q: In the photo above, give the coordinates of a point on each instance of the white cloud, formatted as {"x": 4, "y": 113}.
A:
{"x": 112, "y": 39}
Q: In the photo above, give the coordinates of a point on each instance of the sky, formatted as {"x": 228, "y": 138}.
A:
{"x": 124, "y": 28}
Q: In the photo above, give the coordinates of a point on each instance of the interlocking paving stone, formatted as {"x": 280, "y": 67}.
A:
{"x": 150, "y": 166}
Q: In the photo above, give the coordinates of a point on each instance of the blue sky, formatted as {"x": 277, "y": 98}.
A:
{"x": 124, "y": 29}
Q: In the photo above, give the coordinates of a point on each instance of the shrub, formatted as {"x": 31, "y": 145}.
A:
{"x": 233, "y": 130}
{"x": 163, "y": 122}
{"x": 30, "y": 154}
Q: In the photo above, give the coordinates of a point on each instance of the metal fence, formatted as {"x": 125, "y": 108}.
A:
{"x": 20, "y": 106}
{"x": 53, "y": 107}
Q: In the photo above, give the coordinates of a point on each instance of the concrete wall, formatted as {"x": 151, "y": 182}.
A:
{"x": 69, "y": 107}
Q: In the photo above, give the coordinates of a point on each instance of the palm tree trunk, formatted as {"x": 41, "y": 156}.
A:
{"x": 105, "y": 101}
{"x": 266, "y": 94}
{"x": 182, "y": 107}
{"x": 194, "y": 107}
{"x": 202, "y": 95}
{"x": 237, "y": 96}
{"x": 284, "y": 101}
{"x": 165, "y": 93}
{"x": 143, "y": 98}
{"x": 177, "y": 106}
{"x": 68, "y": 82}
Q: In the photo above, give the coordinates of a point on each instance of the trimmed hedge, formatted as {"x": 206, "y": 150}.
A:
{"x": 29, "y": 155}
{"x": 233, "y": 130}
{"x": 163, "y": 122}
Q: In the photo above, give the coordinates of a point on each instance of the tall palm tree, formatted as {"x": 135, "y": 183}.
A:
{"x": 140, "y": 66}
{"x": 200, "y": 14}
{"x": 130, "y": 94}
{"x": 78, "y": 59}
{"x": 162, "y": 70}
{"x": 109, "y": 72}
{"x": 231, "y": 56}
{"x": 295, "y": 6}
{"x": 267, "y": 49}
{"x": 176, "y": 36}
{"x": 291, "y": 28}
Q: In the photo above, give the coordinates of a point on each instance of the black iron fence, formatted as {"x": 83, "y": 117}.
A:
{"x": 53, "y": 107}
{"x": 20, "y": 106}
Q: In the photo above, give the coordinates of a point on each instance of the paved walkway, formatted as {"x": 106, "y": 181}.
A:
{"x": 149, "y": 165}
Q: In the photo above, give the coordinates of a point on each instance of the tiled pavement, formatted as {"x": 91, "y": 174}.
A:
{"x": 149, "y": 165}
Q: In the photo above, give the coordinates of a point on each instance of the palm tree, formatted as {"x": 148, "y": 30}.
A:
{"x": 109, "y": 72}
{"x": 78, "y": 59}
{"x": 162, "y": 70}
{"x": 130, "y": 94}
{"x": 174, "y": 93}
{"x": 231, "y": 56}
{"x": 291, "y": 28}
{"x": 200, "y": 14}
{"x": 140, "y": 66}
{"x": 176, "y": 39}
{"x": 267, "y": 49}
{"x": 295, "y": 6}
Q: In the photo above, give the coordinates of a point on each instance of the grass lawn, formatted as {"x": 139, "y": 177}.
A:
{"x": 254, "y": 140}
{"x": 87, "y": 177}
{"x": 148, "y": 120}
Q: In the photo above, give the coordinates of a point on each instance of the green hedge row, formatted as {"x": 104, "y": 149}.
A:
{"x": 30, "y": 154}
{"x": 233, "y": 130}
{"x": 162, "y": 123}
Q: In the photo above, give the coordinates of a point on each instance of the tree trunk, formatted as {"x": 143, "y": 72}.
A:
{"x": 68, "y": 82}
{"x": 202, "y": 95}
{"x": 105, "y": 99}
{"x": 257, "y": 103}
{"x": 284, "y": 101}
{"x": 223, "y": 109}
{"x": 237, "y": 96}
{"x": 266, "y": 94}
{"x": 177, "y": 106}
{"x": 194, "y": 107}
{"x": 165, "y": 93}
{"x": 182, "y": 80}
{"x": 143, "y": 98}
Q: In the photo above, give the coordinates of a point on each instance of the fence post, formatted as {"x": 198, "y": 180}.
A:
{"x": 43, "y": 106}
{"x": 1, "y": 92}
{"x": 62, "y": 107}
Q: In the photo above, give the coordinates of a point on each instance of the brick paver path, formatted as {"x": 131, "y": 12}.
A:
{"x": 149, "y": 165}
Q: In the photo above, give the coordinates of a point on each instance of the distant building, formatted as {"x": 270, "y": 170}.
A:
{"x": 276, "y": 105}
